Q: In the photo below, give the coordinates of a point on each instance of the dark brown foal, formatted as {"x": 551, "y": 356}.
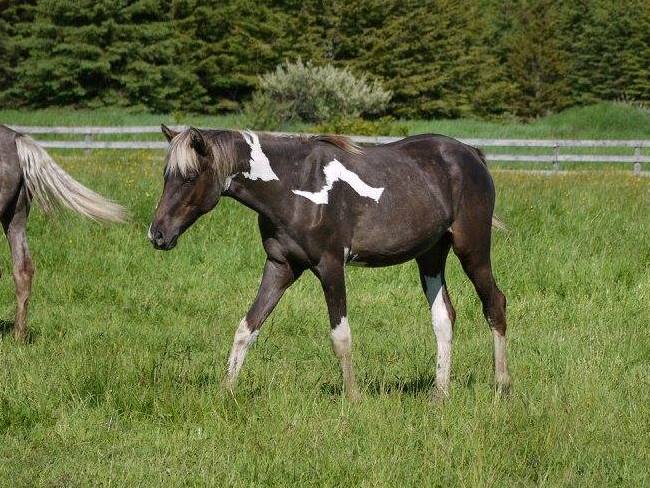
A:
{"x": 324, "y": 204}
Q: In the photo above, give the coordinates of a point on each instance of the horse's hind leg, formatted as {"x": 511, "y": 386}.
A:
{"x": 432, "y": 277}
{"x": 471, "y": 243}
{"x": 15, "y": 227}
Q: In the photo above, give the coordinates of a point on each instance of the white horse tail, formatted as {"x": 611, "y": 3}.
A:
{"x": 52, "y": 187}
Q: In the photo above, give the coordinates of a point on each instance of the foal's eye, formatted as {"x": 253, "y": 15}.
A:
{"x": 190, "y": 179}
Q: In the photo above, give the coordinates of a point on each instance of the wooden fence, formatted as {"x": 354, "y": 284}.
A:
{"x": 634, "y": 148}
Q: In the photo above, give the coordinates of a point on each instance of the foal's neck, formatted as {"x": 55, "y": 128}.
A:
{"x": 266, "y": 170}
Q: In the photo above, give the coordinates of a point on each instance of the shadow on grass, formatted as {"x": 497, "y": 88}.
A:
{"x": 414, "y": 386}
{"x": 7, "y": 328}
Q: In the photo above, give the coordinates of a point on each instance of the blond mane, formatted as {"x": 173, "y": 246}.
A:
{"x": 182, "y": 158}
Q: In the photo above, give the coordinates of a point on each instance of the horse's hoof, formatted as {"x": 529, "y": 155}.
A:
{"x": 20, "y": 336}
{"x": 504, "y": 388}
{"x": 353, "y": 396}
{"x": 439, "y": 396}
{"x": 228, "y": 386}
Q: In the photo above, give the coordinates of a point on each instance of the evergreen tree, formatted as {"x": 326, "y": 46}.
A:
{"x": 537, "y": 63}
{"x": 431, "y": 55}
{"x": 441, "y": 58}
{"x": 14, "y": 18}
{"x": 611, "y": 49}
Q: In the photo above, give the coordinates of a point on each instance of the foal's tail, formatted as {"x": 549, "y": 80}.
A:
{"x": 52, "y": 187}
{"x": 496, "y": 222}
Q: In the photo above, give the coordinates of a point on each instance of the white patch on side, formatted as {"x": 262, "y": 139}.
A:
{"x": 442, "y": 328}
{"x": 342, "y": 338}
{"x": 242, "y": 341}
{"x": 346, "y": 254}
{"x": 260, "y": 164}
{"x": 335, "y": 171}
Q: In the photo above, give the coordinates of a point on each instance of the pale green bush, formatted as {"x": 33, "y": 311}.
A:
{"x": 304, "y": 92}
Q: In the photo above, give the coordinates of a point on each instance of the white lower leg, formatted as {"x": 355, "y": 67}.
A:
{"x": 242, "y": 341}
{"x": 442, "y": 328}
{"x": 501, "y": 374}
{"x": 342, "y": 345}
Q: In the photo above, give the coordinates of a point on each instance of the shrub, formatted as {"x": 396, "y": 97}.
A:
{"x": 384, "y": 126}
{"x": 308, "y": 93}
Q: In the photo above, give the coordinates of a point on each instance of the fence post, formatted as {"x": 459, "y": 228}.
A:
{"x": 556, "y": 157}
{"x": 88, "y": 138}
{"x": 637, "y": 164}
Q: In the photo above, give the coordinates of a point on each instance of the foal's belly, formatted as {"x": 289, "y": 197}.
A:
{"x": 396, "y": 240}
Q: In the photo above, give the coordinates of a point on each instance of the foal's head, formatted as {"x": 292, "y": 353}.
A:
{"x": 196, "y": 172}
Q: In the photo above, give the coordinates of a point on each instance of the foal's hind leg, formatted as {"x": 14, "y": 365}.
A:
{"x": 471, "y": 243}
{"x": 432, "y": 276}
{"x": 15, "y": 227}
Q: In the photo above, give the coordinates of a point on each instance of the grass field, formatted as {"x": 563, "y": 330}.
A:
{"x": 120, "y": 385}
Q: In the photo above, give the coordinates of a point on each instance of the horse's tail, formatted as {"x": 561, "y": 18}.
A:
{"x": 52, "y": 187}
{"x": 496, "y": 222}
{"x": 481, "y": 155}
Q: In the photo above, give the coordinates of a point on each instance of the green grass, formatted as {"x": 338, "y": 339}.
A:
{"x": 602, "y": 121}
{"x": 121, "y": 384}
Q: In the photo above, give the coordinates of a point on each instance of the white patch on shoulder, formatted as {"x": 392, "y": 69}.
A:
{"x": 260, "y": 164}
{"x": 335, "y": 171}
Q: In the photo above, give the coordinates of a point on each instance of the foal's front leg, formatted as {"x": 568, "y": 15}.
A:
{"x": 332, "y": 277}
{"x": 277, "y": 277}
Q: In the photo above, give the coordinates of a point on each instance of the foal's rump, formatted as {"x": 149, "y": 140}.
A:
{"x": 52, "y": 187}
{"x": 429, "y": 181}
{"x": 459, "y": 168}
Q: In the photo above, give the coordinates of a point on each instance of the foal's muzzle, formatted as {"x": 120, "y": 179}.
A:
{"x": 160, "y": 241}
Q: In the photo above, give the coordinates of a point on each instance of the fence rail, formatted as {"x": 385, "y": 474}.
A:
{"x": 636, "y": 158}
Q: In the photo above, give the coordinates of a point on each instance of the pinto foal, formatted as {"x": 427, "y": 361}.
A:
{"x": 323, "y": 203}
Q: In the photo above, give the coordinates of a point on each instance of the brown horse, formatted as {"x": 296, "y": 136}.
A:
{"x": 324, "y": 203}
{"x": 27, "y": 172}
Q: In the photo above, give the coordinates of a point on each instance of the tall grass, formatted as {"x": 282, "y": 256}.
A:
{"x": 121, "y": 383}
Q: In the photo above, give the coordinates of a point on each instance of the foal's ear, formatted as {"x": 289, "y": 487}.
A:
{"x": 198, "y": 142}
{"x": 169, "y": 134}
